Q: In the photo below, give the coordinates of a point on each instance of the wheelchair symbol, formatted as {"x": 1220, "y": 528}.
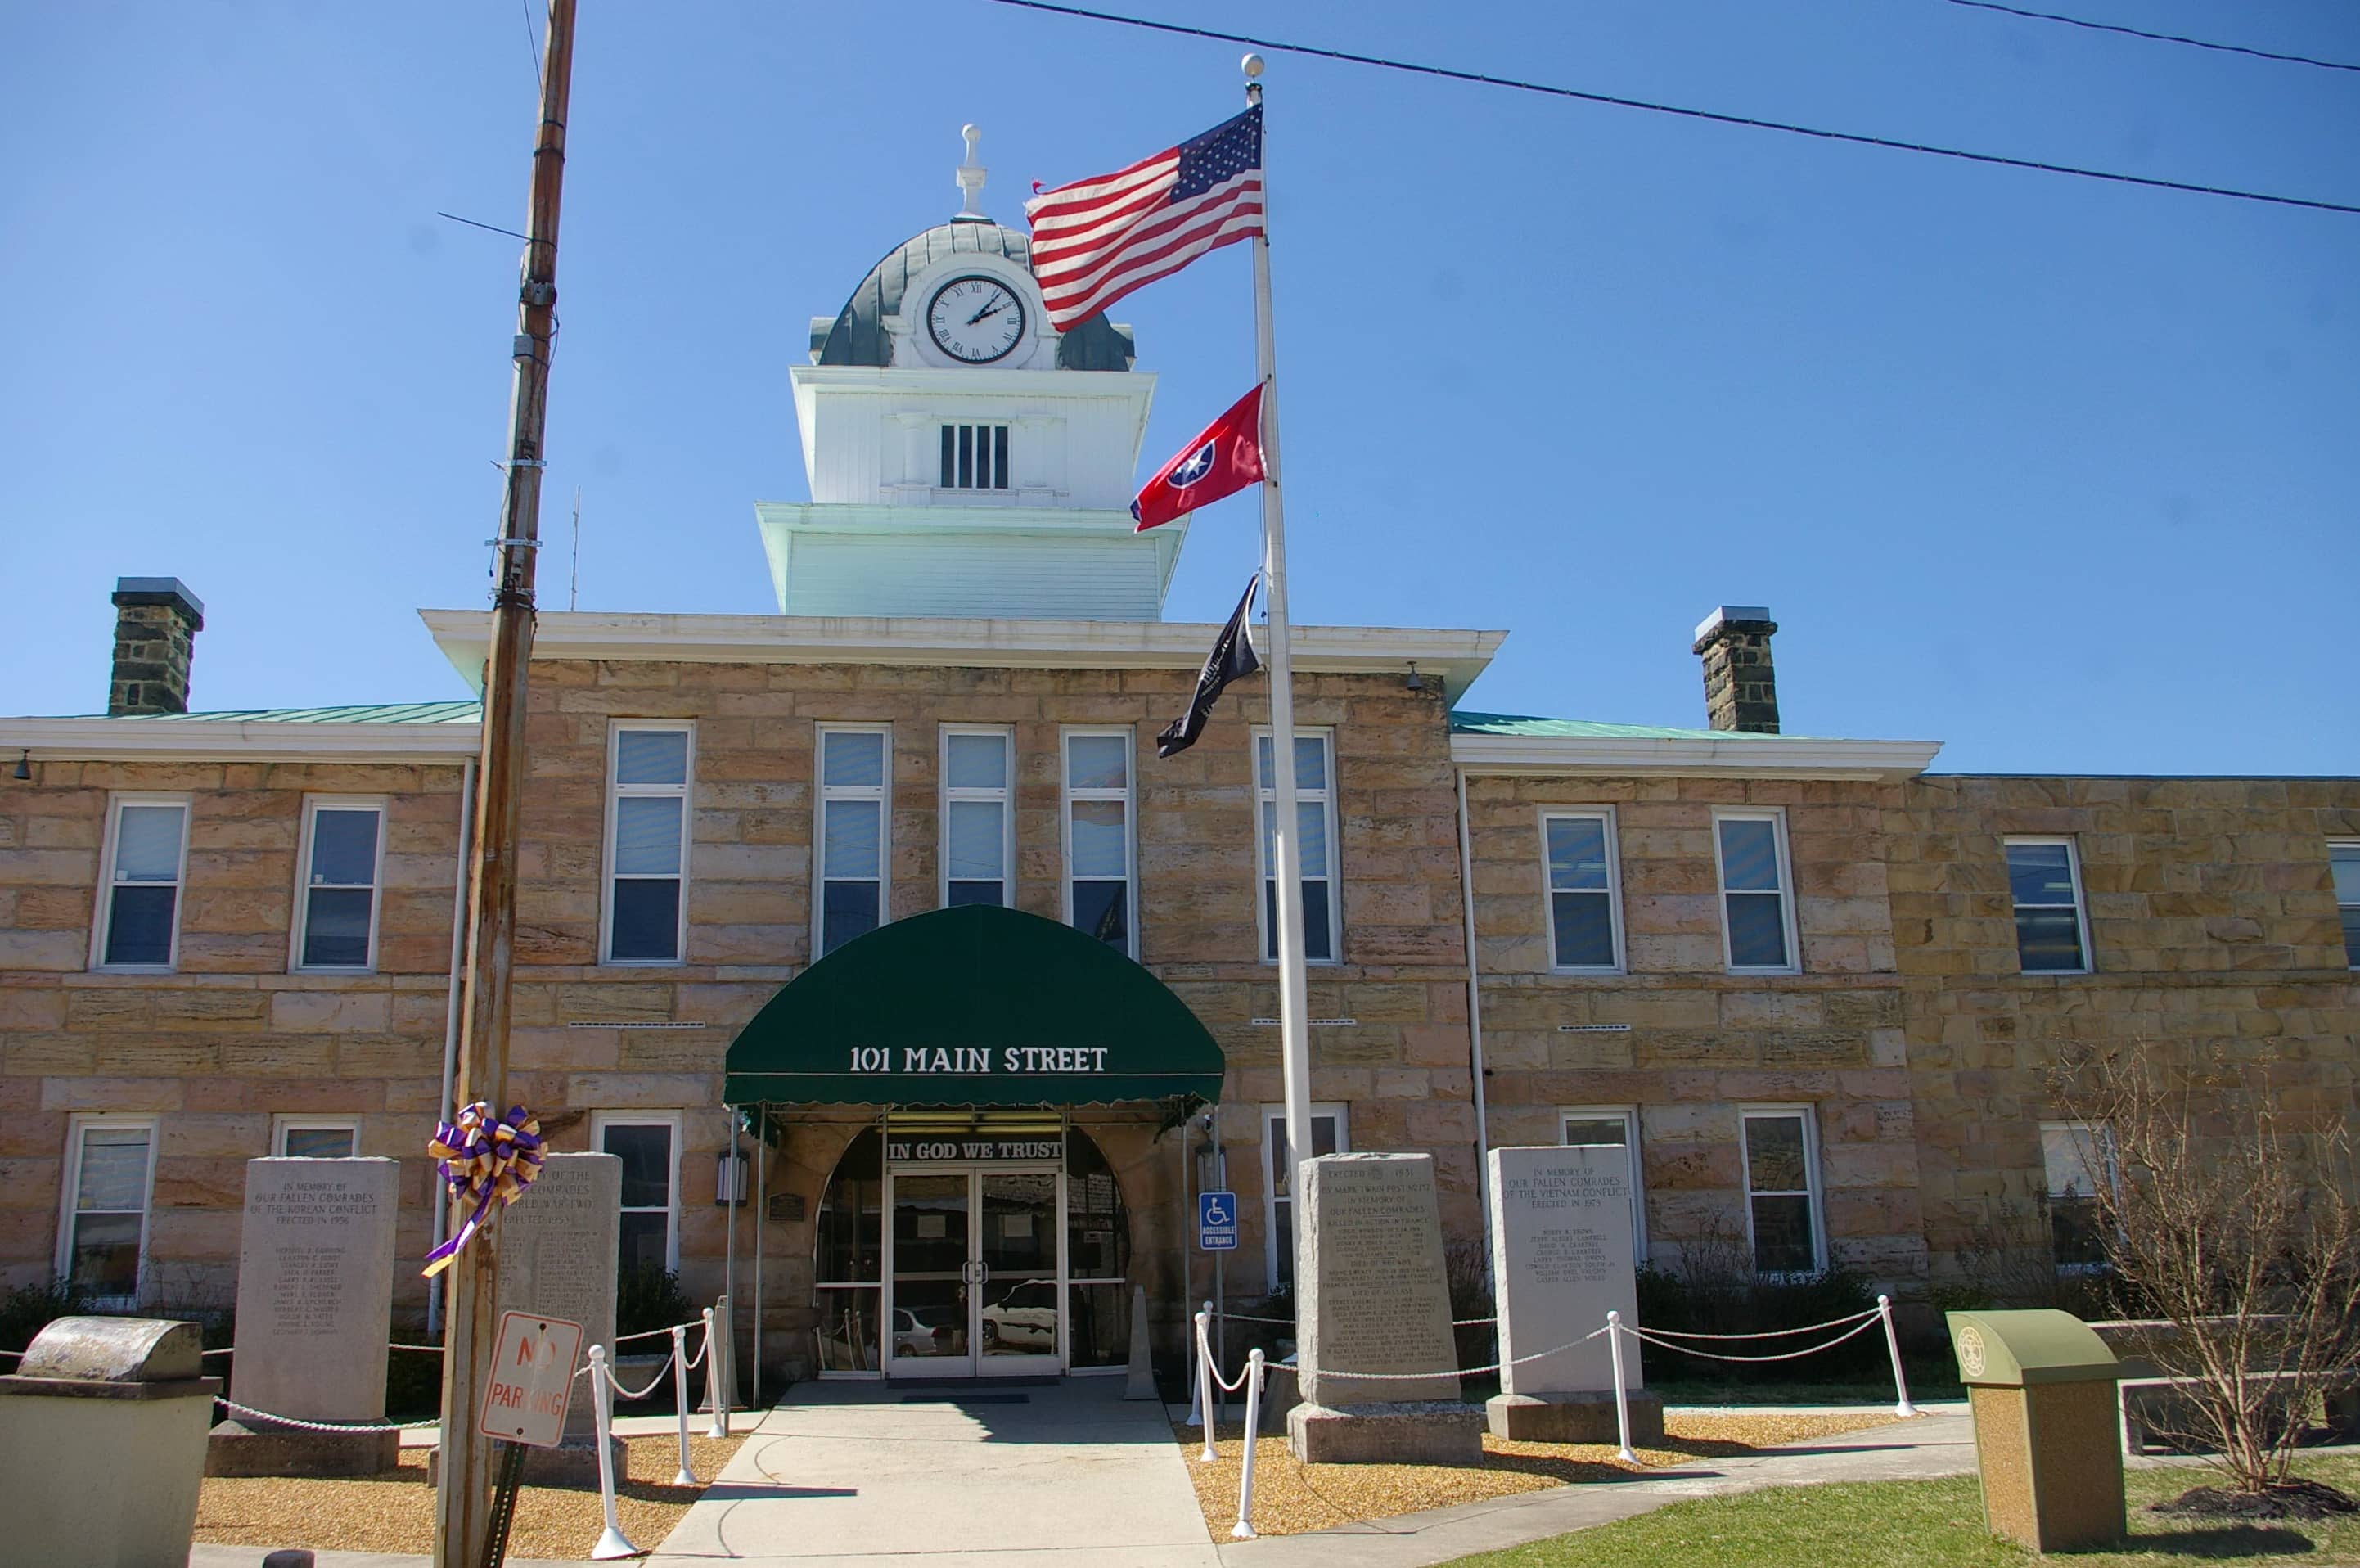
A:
{"x": 1217, "y": 1210}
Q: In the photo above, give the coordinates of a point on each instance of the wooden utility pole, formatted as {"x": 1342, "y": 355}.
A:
{"x": 462, "y": 1507}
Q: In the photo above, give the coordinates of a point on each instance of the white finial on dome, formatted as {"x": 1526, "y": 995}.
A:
{"x": 970, "y": 175}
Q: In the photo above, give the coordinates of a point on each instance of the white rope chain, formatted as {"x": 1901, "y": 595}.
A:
{"x": 643, "y": 1393}
{"x": 1714, "y": 1356}
{"x": 1766, "y": 1334}
{"x": 326, "y": 1426}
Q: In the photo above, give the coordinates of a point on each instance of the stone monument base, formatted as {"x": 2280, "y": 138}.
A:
{"x": 1427, "y": 1431}
{"x": 575, "y": 1463}
{"x": 1575, "y": 1416}
{"x": 259, "y": 1448}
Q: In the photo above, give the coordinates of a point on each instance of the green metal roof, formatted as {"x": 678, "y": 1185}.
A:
{"x": 469, "y": 712}
{"x": 1465, "y": 723}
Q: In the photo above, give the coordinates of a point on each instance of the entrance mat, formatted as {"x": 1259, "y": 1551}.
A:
{"x": 966, "y": 1398}
{"x": 970, "y": 1385}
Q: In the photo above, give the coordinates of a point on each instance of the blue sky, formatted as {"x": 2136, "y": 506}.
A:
{"x": 2061, "y": 474}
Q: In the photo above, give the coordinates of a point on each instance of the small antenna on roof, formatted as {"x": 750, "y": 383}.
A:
{"x": 573, "y": 583}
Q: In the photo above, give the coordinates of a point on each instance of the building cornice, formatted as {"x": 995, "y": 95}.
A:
{"x": 1754, "y": 756}
{"x": 232, "y": 740}
{"x": 1455, "y": 656}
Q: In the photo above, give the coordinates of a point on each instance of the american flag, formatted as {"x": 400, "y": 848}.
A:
{"x": 1098, "y": 239}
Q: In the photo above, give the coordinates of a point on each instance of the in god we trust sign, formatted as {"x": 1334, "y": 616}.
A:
{"x": 531, "y": 1380}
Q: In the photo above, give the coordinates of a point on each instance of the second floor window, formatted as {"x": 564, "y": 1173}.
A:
{"x": 139, "y": 923}
{"x": 1098, "y": 835}
{"x": 2344, "y": 860}
{"x": 337, "y": 905}
{"x": 648, "y": 836}
{"x": 853, "y": 803}
{"x": 1315, "y": 804}
{"x": 1585, "y": 930}
{"x": 1757, "y": 916}
{"x": 975, "y": 817}
{"x": 2044, "y": 885}
{"x": 975, "y": 457}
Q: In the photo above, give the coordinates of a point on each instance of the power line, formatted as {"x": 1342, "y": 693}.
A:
{"x": 1712, "y": 116}
{"x": 2157, "y": 37}
{"x": 531, "y": 40}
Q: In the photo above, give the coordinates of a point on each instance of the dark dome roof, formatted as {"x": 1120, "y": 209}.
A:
{"x": 859, "y": 336}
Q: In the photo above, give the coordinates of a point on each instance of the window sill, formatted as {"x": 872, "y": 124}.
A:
{"x": 1617, "y": 972}
{"x": 135, "y": 968}
{"x": 2054, "y": 973}
{"x": 318, "y": 971}
{"x": 1772, "y": 973}
{"x": 643, "y": 963}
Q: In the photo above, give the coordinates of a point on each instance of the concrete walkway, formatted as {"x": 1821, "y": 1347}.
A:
{"x": 863, "y": 1473}
{"x": 1939, "y": 1444}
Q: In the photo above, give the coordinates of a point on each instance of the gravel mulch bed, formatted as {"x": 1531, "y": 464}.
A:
{"x": 395, "y": 1512}
{"x": 1291, "y": 1499}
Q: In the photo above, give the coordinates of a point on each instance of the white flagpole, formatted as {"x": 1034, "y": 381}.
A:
{"x": 1294, "y": 982}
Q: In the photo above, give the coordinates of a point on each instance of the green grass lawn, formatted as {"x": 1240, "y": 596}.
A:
{"x": 1925, "y": 1524}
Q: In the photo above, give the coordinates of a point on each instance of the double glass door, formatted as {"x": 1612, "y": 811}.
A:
{"x": 974, "y": 1262}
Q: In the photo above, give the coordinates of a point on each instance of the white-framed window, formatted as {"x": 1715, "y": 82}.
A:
{"x": 103, "y": 1228}
{"x": 855, "y": 833}
{"x": 1330, "y": 1133}
{"x": 1315, "y": 805}
{"x": 2075, "y": 1158}
{"x": 315, "y": 1137}
{"x": 1612, "y": 1126}
{"x": 2044, "y": 883}
{"x": 649, "y": 765}
{"x": 1781, "y": 1145}
{"x": 138, "y": 922}
{"x": 648, "y": 1143}
{"x": 2344, "y": 863}
{"x": 975, "y": 457}
{"x": 1101, "y": 850}
{"x": 978, "y": 827}
{"x": 1585, "y": 889}
{"x": 340, "y": 867}
{"x": 1757, "y": 906}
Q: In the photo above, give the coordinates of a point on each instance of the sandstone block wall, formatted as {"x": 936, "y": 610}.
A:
{"x": 1694, "y": 1043}
{"x": 232, "y": 1039}
{"x": 2212, "y": 927}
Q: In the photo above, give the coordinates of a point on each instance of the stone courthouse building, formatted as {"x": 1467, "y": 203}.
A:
{"x": 891, "y": 893}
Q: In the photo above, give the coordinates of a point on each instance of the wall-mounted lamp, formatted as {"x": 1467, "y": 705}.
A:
{"x": 1416, "y": 681}
{"x": 24, "y": 764}
{"x": 729, "y": 1177}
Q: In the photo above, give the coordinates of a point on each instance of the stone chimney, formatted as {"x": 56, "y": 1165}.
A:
{"x": 156, "y": 624}
{"x": 1740, "y": 689}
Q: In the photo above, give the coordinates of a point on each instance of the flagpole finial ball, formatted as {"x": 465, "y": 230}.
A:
{"x": 1251, "y": 65}
{"x": 971, "y": 135}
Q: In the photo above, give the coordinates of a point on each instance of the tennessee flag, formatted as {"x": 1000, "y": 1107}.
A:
{"x": 1224, "y": 458}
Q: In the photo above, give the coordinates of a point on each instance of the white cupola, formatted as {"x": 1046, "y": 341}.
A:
{"x": 964, "y": 458}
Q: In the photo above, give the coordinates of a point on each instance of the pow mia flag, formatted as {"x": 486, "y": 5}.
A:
{"x": 1232, "y": 659}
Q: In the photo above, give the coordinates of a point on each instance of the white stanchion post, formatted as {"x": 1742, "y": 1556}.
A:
{"x": 1243, "y": 1529}
{"x": 1901, "y": 1405}
{"x": 685, "y": 1477}
{"x": 712, "y": 1380}
{"x": 612, "y": 1541}
{"x": 1622, "y": 1393}
{"x": 1204, "y": 1383}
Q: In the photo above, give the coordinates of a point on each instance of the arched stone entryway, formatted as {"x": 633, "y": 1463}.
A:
{"x": 973, "y": 1110}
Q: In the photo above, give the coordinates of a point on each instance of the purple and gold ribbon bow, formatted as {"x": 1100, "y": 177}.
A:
{"x": 487, "y": 1159}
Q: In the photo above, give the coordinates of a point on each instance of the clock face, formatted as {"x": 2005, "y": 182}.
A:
{"x": 976, "y": 319}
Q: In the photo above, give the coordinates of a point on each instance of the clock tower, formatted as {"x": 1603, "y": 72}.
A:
{"x": 965, "y": 458}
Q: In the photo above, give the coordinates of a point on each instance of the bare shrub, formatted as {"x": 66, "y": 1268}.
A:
{"x": 2233, "y": 1225}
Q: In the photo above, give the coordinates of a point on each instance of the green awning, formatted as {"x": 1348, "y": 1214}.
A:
{"x": 977, "y": 1005}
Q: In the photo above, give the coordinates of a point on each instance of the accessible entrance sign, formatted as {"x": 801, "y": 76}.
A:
{"x": 1217, "y": 1221}
{"x": 532, "y": 1379}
